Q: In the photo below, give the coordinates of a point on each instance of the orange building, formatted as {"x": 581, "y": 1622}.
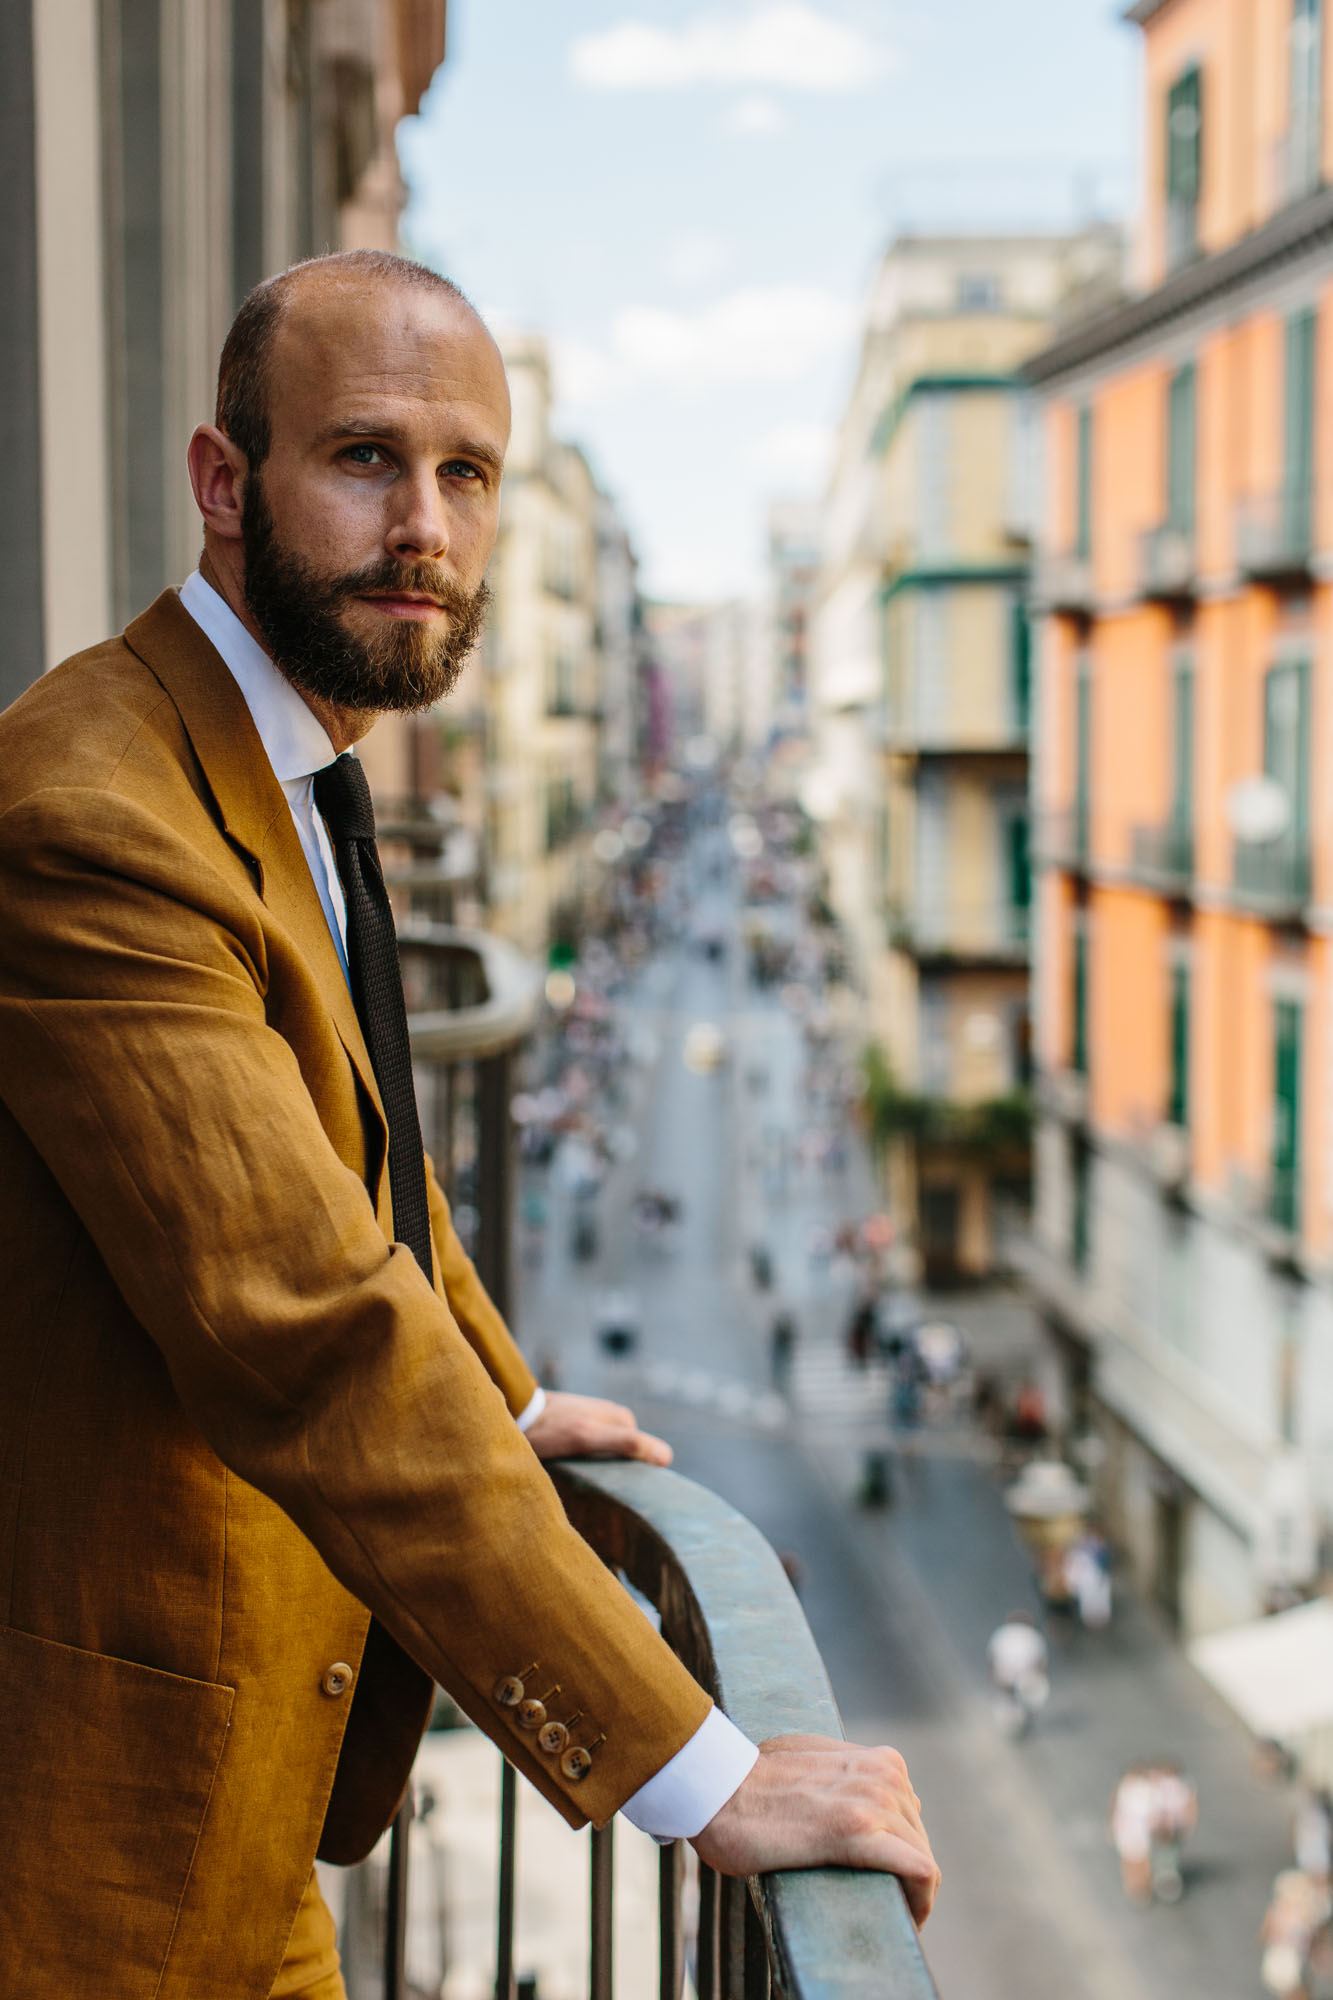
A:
{"x": 1183, "y": 787}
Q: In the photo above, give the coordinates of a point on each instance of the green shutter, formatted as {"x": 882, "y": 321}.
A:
{"x": 1284, "y": 1202}
{"x": 1177, "y": 1109}
{"x": 1020, "y": 665}
{"x": 1180, "y": 451}
{"x": 1019, "y": 863}
{"x": 1078, "y": 1053}
{"x": 1182, "y": 750}
{"x": 1299, "y": 415}
{"x": 1083, "y": 486}
{"x": 1304, "y": 130}
{"x": 1082, "y": 756}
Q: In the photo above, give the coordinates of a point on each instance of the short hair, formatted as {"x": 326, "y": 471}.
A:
{"x": 243, "y": 370}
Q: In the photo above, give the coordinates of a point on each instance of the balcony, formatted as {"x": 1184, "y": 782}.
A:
{"x": 1163, "y": 857}
{"x": 1062, "y": 837}
{"x": 725, "y": 1605}
{"x": 995, "y": 934}
{"x": 1063, "y": 582}
{"x": 1166, "y": 565}
{"x": 1275, "y": 536}
{"x": 1272, "y": 877}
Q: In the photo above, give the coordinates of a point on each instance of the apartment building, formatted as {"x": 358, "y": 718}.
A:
{"x": 560, "y": 667}
{"x": 1184, "y": 737}
{"x": 158, "y": 157}
{"x": 918, "y": 691}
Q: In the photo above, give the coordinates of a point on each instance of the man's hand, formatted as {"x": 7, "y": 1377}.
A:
{"x": 586, "y": 1427}
{"x": 812, "y": 1802}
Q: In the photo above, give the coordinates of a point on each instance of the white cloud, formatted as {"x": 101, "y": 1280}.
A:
{"x": 787, "y": 43}
{"x": 755, "y": 117}
{"x": 695, "y": 256}
{"x": 796, "y": 454}
{"x": 762, "y": 334}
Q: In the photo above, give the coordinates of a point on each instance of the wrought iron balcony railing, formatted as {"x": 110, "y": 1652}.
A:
{"x": 723, "y": 1601}
{"x": 1275, "y": 535}
{"x": 1063, "y": 835}
{"x": 1166, "y": 564}
{"x": 1063, "y": 581}
{"x": 1274, "y": 876}
{"x": 993, "y": 932}
{"x": 1163, "y": 856}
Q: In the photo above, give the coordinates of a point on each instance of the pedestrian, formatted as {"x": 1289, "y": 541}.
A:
{"x": 1175, "y": 1816}
{"x": 1087, "y": 1568}
{"x": 781, "y": 1348}
{"x": 1018, "y": 1658}
{"x": 1297, "y": 1912}
{"x": 1312, "y": 1836}
{"x": 1132, "y": 1819}
{"x": 266, "y": 1478}
{"x": 861, "y": 1331}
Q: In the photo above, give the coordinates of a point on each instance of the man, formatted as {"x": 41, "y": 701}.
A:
{"x": 263, "y": 1480}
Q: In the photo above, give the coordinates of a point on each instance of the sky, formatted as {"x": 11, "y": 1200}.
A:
{"x": 688, "y": 198}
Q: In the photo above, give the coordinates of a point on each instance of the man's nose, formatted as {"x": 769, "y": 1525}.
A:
{"x": 421, "y": 523}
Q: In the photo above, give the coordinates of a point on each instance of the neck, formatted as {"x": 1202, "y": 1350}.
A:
{"x": 342, "y": 726}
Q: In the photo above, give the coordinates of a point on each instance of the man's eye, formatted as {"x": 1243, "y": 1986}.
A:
{"x": 362, "y": 454}
{"x": 459, "y": 468}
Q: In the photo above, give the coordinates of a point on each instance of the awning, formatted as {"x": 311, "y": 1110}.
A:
{"x": 1276, "y": 1673}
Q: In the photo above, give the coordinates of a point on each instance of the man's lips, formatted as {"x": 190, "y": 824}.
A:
{"x": 403, "y": 604}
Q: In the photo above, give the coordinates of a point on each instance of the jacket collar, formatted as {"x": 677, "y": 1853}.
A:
{"x": 251, "y": 803}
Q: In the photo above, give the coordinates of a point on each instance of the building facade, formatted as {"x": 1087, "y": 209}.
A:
{"x": 159, "y": 156}
{"x": 1184, "y": 733}
{"x": 918, "y": 701}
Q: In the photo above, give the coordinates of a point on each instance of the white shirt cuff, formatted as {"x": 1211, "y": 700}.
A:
{"x": 526, "y": 1418}
{"x": 696, "y": 1783}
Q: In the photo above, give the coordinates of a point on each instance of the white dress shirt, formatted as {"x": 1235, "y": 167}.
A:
{"x": 701, "y": 1777}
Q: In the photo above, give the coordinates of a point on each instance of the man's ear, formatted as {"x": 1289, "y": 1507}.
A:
{"x": 218, "y": 470}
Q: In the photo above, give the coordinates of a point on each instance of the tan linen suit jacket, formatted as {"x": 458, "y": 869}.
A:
{"x": 242, "y": 1437}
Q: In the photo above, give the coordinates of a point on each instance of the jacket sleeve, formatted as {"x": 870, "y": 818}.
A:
{"x": 315, "y": 1358}
{"x": 474, "y": 1312}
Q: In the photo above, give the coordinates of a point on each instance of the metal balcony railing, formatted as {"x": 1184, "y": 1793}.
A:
{"x": 724, "y": 1603}
{"x": 1163, "y": 856}
{"x": 1272, "y": 875}
{"x": 1063, "y": 581}
{"x": 1275, "y": 535}
{"x": 996, "y": 932}
{"x": 1062, "y": 835}
{"x": 1166, "y": 564}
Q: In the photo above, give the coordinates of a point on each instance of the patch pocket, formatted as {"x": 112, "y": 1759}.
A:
{"x": 106, "y": 1769}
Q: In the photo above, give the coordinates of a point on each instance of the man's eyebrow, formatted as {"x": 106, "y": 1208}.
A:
{"x": 392, "y": 433}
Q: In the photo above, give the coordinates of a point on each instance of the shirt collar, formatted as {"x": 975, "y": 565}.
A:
{"x": 296, "y": 742}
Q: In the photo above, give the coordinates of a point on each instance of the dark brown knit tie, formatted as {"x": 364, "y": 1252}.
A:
{"x": 343, "y": 796}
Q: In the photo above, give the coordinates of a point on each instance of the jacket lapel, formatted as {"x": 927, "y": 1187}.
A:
{"x": 252, "y": 804}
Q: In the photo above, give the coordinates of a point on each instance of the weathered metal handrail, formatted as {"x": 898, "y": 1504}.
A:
{"x": 727, "y": 1609}
{"x": 495, "y": 1023}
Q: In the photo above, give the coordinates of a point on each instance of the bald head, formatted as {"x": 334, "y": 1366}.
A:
{"x": 313, "y": 304}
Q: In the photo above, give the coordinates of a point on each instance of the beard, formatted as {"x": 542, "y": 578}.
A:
{"x": 408, "y": 666}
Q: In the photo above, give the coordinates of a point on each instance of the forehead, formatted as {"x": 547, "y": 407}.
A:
{"x": 346, "y": 351}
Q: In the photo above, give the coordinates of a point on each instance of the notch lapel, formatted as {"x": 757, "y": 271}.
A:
{"x": 251, "y": 804}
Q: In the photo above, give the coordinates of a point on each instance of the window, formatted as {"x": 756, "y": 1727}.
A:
{"x": 1018, "y": 874}
{"x": 1080, "y": 1202}
{"x": 1298, "y": 438}
{"x": 1180, "y": 451}
{"x": 1305, "y": 129}
{"x": 1083, "y": 486}
{"x": 1184, "y": 165}
{"x": 1284, "y": 1187}
{"x": 1177, "y": 1105}
{"x": 978, "y": 291}
{"x": 1287, "y": 744}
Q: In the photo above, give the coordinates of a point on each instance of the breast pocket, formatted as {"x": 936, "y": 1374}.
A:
{"x": 106, "y": 1769}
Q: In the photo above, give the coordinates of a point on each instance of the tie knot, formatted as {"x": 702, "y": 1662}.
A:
{"x": 343, "y": 796}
